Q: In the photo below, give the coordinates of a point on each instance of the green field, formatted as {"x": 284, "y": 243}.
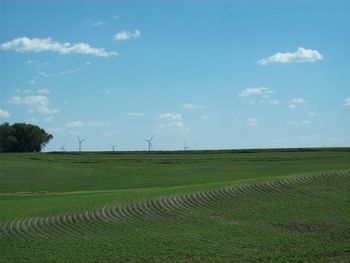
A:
{"x": 205, "y": 206}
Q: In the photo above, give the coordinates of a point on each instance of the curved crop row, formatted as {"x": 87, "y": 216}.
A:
{"x": 118, "y": 217}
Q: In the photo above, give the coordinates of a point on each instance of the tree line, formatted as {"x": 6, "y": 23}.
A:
{"x": 22, "y": 137}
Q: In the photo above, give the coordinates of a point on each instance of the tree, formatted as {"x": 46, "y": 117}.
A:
{"x": 22, "y": 137}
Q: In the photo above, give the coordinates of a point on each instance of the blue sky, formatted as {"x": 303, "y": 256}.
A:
{"x": 213, "y": 74}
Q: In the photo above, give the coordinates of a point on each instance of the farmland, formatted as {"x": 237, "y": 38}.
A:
{"x": 251, "y": 205}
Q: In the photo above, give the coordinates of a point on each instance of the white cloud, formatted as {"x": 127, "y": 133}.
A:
{"x": 296, "y": 123}
{"x": 56, "y": 130}
{"x": 274, "y": 102}
{"x": 74, "y": 124}
{"x": 43, "y": 91}
{"x": 58, "y": 74}
{"x": 105, "y": 91}
{"x": 295, "y": 102}
{"x": 292, "y": 122}
{"x": 347, "y": 102}
{"x": 26, "y": 91}
{"x": 306, "y": 122}
{"x": 298, "y": 101}
{"x": 97, "y": 124}
{"x": 25, "y": 44}
{"x": 15, "y": 100}
{"x": 125, "y": 35}
{"x": 252, "y": 122}
{"x": 99, "y": 23}
{"x": 23, "y": 91}
{"x": 260, "y": 91}
{"x": 4, "y": 114}
{"x": 135, "y": 114}
{"x": 170, "y": 117}
{"x": 190, "y": 106}
{"x": 52, "y": 75}
{"x": 318, "y": 140}
{"x": 299, "y": 56}
{"x": 79, "y": 124}
{"x": 37, "y": 104}
{"x": 204, "y": 117}
{"x": 172, "y": 122}
{"x": 49, "y": 118}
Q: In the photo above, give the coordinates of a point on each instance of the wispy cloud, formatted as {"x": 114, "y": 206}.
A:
{"x": 99, "y": 23}
{"x": 171, "y": 122}
{"x": 43, "y": 91}
{"x": 36, "y": 104}
{"x": 191, "y": 106}
{"x": 274, "y": 101}
{"x": 4, "y": 114}
{"x": 296, "y": 123}
{"x": 347, "y": 102}
{"x": 259, "y": 91}
{"x": 295, "y": 102}
{"x": 23, "y": 91}
{"x": 252, "y": 122}
{"x": 56, "y": 130}
{"x": 299, "y": 56}
{"x": 53, "y": 75}
{"x": 74, "y": 124}
{"x": 170, "y": 117}
{"x": 79, "y": 124}
{"x": 49, "y": 118}
{"x": 97, "y": 124}
{"x": 125, "y": 35}
{"x": 102, "y": 22}
{"x": 306, "y": 122}
{"x": 105, "y": 91}
{"x": 25, "y": 44}
{"x": 135, "y": 114}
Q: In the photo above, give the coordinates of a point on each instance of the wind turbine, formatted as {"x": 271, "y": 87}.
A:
{"x": 80, "y": 141}
{"x": 62, "y": 148}
{"x": 186, "y": 147}
{"x": 149, "y": 142}
{"x": 113, "y": 147}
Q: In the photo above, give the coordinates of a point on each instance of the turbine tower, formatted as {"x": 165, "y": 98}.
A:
{"x": 62, "y": 149}
{"x": 80, "y": 141}
{"x": 186, "y": 147}
{"x": 149, "y": 142}
{"x": 113, "y": 147}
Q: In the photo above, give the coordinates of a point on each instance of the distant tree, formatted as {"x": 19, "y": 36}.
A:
{"x": 22, "y": 137}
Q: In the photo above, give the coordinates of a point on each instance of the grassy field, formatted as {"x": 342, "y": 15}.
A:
{"x": 253, "y": 205}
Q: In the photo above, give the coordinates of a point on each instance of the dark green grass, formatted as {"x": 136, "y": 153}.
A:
{"x": 253, "y": 229}
{"x": 36, "y": 184}
{"x": 40, "y": 173}
{"x": 312, "y": 225}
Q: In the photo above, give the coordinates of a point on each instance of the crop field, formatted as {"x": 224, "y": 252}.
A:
{"x": 194, "y": 206}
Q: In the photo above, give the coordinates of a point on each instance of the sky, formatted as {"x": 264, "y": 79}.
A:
{"x": 211, "y": 74}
